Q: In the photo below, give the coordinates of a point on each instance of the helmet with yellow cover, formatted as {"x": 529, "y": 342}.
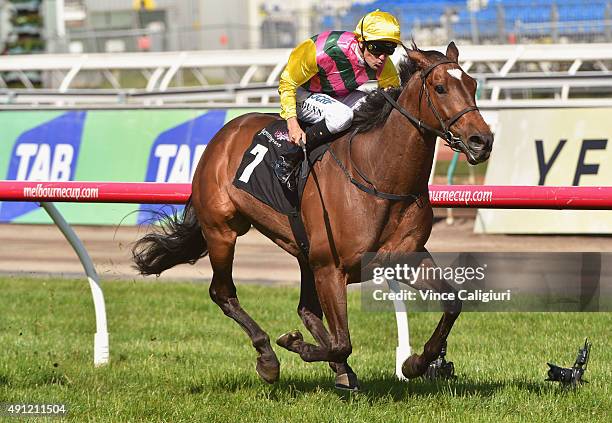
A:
{"x": 378, "y": 26}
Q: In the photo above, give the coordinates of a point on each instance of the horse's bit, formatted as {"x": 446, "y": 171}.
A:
{"x": 453, "y": 141}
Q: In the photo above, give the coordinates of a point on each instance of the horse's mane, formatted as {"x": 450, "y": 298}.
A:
{"x": 375, "y": 109}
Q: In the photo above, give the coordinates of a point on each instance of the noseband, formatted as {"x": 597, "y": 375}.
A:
{"x": 453, "y": 141}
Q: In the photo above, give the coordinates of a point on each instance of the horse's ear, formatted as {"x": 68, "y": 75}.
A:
{"x": 417, "y": 57}
{"x": 452, "y": 52}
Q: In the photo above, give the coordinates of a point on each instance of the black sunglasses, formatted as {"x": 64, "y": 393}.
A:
{"x": 381, "y": 47}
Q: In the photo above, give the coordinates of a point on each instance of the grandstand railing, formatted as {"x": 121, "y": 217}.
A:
{"x": 255, "y": 73}
{"x": 553, "y": 91}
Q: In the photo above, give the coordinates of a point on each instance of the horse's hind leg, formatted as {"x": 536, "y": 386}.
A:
{"x": 309, "y": 310}
{"x": 416, "y": 365}
{"x": 221, "y": 244}
{"x": 336, "y": 347}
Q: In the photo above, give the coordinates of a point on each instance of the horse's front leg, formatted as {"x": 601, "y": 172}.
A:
{"x": 416, "y": 365}
{"x": 310, "y": 312}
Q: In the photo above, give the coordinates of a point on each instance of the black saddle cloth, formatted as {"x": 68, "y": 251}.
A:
{"x": 255, "y": 174}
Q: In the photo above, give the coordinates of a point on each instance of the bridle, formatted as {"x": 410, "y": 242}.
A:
{"x": 453, "y": 141}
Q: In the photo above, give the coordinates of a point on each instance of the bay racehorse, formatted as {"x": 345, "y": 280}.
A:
{"x": 369, "y": 195}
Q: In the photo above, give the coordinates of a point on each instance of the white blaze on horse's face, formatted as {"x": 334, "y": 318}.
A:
{"x": 455, "y": 73}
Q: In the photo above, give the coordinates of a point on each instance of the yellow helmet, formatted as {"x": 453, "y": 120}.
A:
{"x": 378, "y": 26}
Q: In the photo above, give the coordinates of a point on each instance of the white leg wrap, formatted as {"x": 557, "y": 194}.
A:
{"x": 403, "y": 350}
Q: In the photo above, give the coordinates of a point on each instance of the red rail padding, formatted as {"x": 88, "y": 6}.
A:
{"x": 95, "y": 192}
{"x": 521, "y": 197}
{"x": 481, "y": 196}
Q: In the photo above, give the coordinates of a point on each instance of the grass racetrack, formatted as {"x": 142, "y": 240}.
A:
{"x": 175, "y": 357}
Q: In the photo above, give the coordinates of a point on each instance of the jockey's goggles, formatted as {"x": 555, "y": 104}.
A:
{"x": 381, "y": 47}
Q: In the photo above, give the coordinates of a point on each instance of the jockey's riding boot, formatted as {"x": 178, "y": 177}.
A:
{"x": 288, "y": 163}
{"x": 317, "y": 135}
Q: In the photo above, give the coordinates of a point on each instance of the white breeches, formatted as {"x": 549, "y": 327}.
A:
{"x": 338, "y": 113}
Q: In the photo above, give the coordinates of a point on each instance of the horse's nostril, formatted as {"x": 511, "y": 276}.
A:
{"x": 479, "y": 142}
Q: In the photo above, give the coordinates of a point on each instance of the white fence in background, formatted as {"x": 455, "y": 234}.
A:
{"x": 509, "y": 75}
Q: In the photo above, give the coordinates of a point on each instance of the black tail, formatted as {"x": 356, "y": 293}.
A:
{"x": 177, "y": 240}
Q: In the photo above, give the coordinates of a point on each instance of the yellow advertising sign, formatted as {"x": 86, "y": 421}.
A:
{"x": 562, "y": 147}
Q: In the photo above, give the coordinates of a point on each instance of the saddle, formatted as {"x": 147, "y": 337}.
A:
{"x": 256, "y": 176}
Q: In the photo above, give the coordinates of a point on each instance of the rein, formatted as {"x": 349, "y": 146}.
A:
{"x": 373, "y": 191}
{"x": 454, "y": 142}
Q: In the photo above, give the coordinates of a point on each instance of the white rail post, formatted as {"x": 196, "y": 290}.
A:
{"x": 432, "y": 173}
{"x": 101, "y": 344}
{"x": 403, "y": 350}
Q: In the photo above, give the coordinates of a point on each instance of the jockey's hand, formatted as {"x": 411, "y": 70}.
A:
{"x": 295, "y": 131}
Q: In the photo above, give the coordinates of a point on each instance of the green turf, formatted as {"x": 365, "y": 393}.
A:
{"x": 176, "y": 357}
{"x": 462, "y": 170}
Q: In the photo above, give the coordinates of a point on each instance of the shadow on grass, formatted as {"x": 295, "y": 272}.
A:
{"x": 372, "y": 389}
{"x": 459, "y": 387}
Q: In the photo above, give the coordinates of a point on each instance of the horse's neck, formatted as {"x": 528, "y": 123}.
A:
{"x": 396, "y": 157}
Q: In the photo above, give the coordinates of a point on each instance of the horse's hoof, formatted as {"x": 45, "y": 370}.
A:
{"x": 412, "y": 367}
{"x": 268, "y": 368}
{"x": 286, "y": 340}
{"x": 347, "y": 382}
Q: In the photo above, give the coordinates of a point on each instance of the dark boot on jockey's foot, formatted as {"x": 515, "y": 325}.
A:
{"x": 317, "y": 135}
{"x": 288, "y": 163}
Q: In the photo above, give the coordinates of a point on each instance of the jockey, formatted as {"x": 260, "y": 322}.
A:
{"x": 319, "y": 84}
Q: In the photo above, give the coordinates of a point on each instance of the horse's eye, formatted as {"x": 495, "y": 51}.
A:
{"x": 440, "y": 89}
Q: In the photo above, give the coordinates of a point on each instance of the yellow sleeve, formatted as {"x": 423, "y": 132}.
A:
{"x": 388, "y": 77}
{"x": 301, "y": 66}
